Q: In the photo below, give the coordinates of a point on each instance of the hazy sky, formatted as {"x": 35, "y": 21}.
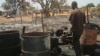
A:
{"x": 80, "y": 2}
{"x": 84, "y": 2}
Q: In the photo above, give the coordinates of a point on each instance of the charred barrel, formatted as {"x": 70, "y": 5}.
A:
{"x": 10, "y": 43}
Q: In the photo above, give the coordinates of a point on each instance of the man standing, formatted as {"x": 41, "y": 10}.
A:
{"x": 77, "y": 20}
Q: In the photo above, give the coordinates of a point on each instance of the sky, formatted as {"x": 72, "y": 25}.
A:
{"x": 84, "y": 2}
{"x": 80, "y": 2}
{"x": 1, "y": 1}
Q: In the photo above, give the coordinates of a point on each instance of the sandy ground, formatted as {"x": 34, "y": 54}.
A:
{"x": 27, "y": 18}
{"x": 98, "y": 37}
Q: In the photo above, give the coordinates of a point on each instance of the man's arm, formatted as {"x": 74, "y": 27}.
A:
{"x": 72, "y": 21}
{"x": 71, "y": 18}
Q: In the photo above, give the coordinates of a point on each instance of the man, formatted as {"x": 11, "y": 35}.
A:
{"x": 77, "y": 20}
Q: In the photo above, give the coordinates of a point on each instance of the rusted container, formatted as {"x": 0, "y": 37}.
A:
{"x": 89, "y": 39}
{"x": 90, "y": 36}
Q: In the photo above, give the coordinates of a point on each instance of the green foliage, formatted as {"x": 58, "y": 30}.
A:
{"x": 5, "y": 6}
{"x": 66, "y": 6}
{"x": 32, "y": 9}
{"x": 9, "y": 1}
{"x": 90, "y": 5}
{"x": 23, "y": 5}
{"x": 62, "y": 2}
{"x": 98, "y": 5}
{"x": 55, "y": 4}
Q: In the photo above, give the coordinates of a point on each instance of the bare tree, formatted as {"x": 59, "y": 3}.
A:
{"x": 55, "y": 6}
{"x": 62, "y": 2}
{"x": 45, "y": 6}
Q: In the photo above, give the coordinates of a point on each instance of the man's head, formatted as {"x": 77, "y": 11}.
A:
{"x": 74, "y": 4}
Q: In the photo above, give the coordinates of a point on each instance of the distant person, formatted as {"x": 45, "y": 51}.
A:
{"x": 77, "y": 20}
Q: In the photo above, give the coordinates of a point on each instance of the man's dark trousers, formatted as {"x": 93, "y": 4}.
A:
{"x": 76, "y": 42}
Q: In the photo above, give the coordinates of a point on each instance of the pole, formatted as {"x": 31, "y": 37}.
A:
{"x": 42, "y": 22}
{"x": 21, "y": 17}
{"x": 32, "y": 16}
{"x": 23, "y": 30}
{"x": 87, "y": 15}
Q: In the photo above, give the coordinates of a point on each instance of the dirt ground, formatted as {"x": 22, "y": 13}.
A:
{"x": 25, "y": 18}
{"x": 29, "y": 19}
